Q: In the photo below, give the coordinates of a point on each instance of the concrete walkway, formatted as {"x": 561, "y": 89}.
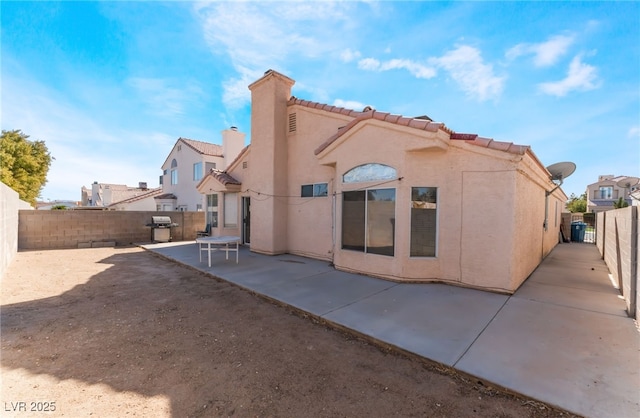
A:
{"x": 563, "y": 338}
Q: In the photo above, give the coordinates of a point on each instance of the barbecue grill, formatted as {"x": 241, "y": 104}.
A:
{"x": 161, "y": 228}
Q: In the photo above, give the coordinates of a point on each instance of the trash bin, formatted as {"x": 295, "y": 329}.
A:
{"x": 577, "y": 231}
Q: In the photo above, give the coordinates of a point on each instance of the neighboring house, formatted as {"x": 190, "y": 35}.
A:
{"x": 607, "y": 190}
{"x": 104, "y": 194}
{"x": 144, "y": 201}
{"x": 187, "y": 163}
{"x": 401, "y": 198}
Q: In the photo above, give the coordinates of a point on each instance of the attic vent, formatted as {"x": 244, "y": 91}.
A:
{"x": 292, "y": 122}
{"x": 244, "y": 164}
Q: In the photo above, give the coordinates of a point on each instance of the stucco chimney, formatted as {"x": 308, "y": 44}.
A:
{"x": 232, "y": 144}
{"x": 269, "y": 162}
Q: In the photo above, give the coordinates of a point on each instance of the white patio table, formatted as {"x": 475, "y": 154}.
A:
{"x": 210, "y": 244}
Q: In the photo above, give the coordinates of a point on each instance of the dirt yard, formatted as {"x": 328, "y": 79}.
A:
{"x": 123, "y": 333}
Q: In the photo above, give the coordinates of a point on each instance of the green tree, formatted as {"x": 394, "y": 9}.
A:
{"x": 24, "y": 164}
{"x": 577, "y": 204}
{"x": 620, "y": 203}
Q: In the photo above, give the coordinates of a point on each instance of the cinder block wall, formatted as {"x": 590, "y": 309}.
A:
{"x": 619, "y": 248}
{"x": 54, "y": 229}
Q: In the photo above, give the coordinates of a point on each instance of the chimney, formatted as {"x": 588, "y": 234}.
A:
{"x": 269, "y": 162}
{"x": 232, "y": 144}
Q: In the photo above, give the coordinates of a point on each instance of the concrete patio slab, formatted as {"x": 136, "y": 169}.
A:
{"x": 567, "y": 357}
{"x": 436, "y": 321}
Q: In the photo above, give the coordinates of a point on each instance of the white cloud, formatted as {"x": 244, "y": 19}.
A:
{"x": 546, "y": 53}
{"x": 467, "y": 68}
{"x": 349, "y": 104}
{"x": 416, "y": 69}
{"x": 634, "y": 132}
{"x": 580, "y": 77}
{"x": 256, "y": 38}
{"x": 348, "y": 55}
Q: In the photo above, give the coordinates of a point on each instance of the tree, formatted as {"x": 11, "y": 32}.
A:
{"x": 577, "y": 204}
{"x": 24, "y": 164}
{"x": 620, "y": 203}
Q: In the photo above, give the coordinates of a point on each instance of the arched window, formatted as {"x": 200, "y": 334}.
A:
{"x": 369, "y": 172}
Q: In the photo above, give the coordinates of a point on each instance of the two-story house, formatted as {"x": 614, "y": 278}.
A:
{"x": 187, "y": 164}
{"x": 602, "y": 194}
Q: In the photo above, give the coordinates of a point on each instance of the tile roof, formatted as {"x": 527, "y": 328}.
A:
{"x": 223, "y": 177}
{"x": 149, "y": 193}
{"x": 420, "y": 122}
{"x": 166, "y": 196}
{"x": 490, "y": 143}
{"x": 205, "y": 148}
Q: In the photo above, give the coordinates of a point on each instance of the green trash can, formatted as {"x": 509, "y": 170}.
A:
{"x": 577, "y": 231}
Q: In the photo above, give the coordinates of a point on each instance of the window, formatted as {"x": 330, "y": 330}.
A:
{"x": 368, "y": 221}
{"x": 197, "y": 171}
{"x": 174, "y": 172}
{"x": 606, "y": 192}
{"x": 369, "y": 172}
{"x": 209, "y": 166}
{"x": 424, "y": 217}
{"x": 230, "y": 210}
{"x": 212, "y": 210}
{"x": 314, "y": 190}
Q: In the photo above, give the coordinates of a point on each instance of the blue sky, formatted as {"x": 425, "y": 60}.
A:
{"x": 110, "y": 86}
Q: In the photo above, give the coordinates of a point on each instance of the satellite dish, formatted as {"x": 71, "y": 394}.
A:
{"x": 628, "y": 182}
{"x": 560, "y": 171}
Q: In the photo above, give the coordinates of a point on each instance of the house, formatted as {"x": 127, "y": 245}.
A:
{"x": 104, "y": 194}
{"x": 187, "y": 163}
{"x": 143, "y": 201}
{"x": 406, "y": 199}
{"x": 602, "y": 194}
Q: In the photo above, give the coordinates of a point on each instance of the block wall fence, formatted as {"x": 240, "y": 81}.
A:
{"x": 617, "y": 236}
{"x": 57, "y": 229}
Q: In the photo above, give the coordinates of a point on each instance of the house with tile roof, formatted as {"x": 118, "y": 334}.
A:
{"x": 142, "y": 201}
{"x": 186, "y": 165}
{"x": 402, "y": 198}
{"x": 105, "y": 194}
{"x": 602, "y": 194}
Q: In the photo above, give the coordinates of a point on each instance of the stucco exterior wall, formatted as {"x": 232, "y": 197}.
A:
{"x": 77, "y": 228}
{"x": 10, "y": 204}
{"x": 311, "y": 223}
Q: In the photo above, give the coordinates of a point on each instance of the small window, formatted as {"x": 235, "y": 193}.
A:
{"x": 244, "y": 164}
{"x": 197, "y": 171}
{"x": 424, "y": 221}
{"x": 230, "y": 210}
{"x": 314, "y": 190}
